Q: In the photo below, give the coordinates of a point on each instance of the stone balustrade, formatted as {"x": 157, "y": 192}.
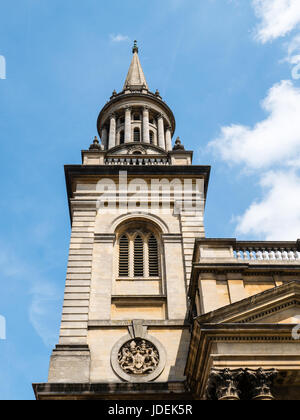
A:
{"x": 137, "y": 161}
{"x": 267, "y": 251}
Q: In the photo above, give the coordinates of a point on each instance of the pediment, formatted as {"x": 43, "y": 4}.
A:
{"x": 280, "y": 305}
{"x": 137, "y": 149}
{"x": 289, "y": 315}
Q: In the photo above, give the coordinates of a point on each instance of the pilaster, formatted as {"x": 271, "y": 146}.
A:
{"x": 175, "y": 284}
{"x": 102, "y": 277}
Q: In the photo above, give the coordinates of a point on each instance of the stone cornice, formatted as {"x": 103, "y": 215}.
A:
{"x": 151, "y": 324}
{"x": 241, "y": 244}
{"x": 107, "y": 391}
{"x": 105, "y": 238}
{"x": 73, "y": 172}
{"x": 172, "y": 238}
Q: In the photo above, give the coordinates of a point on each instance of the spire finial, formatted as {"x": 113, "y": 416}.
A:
{"x": 135, "y": 79}
{"x": 135, "y": 47}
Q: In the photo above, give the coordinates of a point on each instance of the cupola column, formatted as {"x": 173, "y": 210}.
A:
{"x": 169, "y": 139}
{"x": 161, "y": 132}
{"x": 104, "y": 137}
{"x": 128, "y": 125}
{"x": 112, "y": 131}
{"x": 146, "y": 133}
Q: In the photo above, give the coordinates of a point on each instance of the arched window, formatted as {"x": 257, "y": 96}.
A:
{"x": 139, "y": 254}
{"x": 153, "y": 257}
{"x": 138, "y": 257}
{"x": 122, "y": 137}
{"x": 136, "y": 135}
{"x": 124, "y": 257}
{"x": 151, "y": 137}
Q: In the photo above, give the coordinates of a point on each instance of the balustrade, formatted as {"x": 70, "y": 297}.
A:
{"x": 137, "y": 161}
{"x": 266, "y": 253}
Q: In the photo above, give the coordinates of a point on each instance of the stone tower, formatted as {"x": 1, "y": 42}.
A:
{"x": 136, "y": 206}
{"x": 152, "y": 308}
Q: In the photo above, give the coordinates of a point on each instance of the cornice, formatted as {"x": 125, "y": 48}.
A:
{"x": 151, "y": 324}
{"x": 77, "y": 171}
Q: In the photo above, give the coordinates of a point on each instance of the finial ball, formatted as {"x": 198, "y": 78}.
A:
{"x": 135, "y": 47}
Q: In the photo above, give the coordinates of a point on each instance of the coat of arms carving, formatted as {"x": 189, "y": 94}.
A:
{"x": 138, "y": 357}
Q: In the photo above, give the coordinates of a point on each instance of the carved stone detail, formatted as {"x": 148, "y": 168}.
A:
{"x": 137, "y": 149}
{"x": 260, "y": 382}
{"x": 96, "y": 145}
{"x": 224, "y": 384}
{"x": 138, "y": 357}
{"x": 246, "y": 384}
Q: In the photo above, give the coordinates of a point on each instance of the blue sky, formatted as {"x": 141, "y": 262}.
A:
{"x": 229, "y": 71}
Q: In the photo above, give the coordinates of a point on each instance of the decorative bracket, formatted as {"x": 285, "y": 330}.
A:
{"x": 137, "y": 329}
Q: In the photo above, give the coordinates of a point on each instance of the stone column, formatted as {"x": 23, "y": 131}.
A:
{"x": 112, "y": 132}
{"x": 224, "y": 384}
{"x": 146, "y": 133}
{"x": 128, "y": 125}
{"x": 169, "y": 139}
{"x": 161, "y": 132}
{"x": 104, "y": 138}
{"x": 260, "y": 382}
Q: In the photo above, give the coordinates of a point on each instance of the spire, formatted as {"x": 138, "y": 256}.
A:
{"x": 135, "y": 78}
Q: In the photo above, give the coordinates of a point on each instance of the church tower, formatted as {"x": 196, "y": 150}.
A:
{"x": 136, "y": 206}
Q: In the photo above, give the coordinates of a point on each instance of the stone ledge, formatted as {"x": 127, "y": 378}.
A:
{"x": 113, "y": 391}
{"x": 117, "y": 324}
{"x": 71, "y": 347}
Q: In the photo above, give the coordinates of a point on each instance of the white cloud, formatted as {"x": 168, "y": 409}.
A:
{"x": 274, "y": 140}
{"x": 277, "y": 215}
{"x": 42, "y": 311}
{"x": 2, "y": 67}
{"x": 119, "y": 38}
{"x": 294, "y": 50}
{"x": 278, "y": 18}
{"x": 293, "y": 56}
{"x": 272, "y": 146}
